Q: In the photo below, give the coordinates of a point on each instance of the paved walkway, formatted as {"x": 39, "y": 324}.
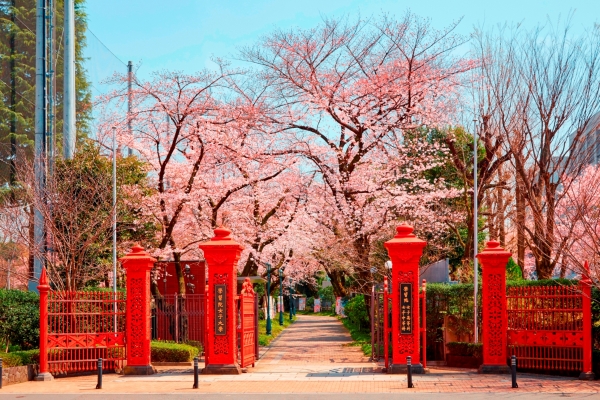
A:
{"x": 312, "y": 356}
{"x": 312, "y": 342}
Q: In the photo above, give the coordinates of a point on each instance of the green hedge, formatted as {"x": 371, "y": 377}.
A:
{"x": 19, "y": 358}
{"x": 173, "y": 352}
{"x": 19, "y": 319}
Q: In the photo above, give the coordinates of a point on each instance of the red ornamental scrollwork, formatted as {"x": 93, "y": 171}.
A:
{"x": 495, "y": 315}
{"x": 222, "y": 344}
{"x": 406, "y": 344}
{"x": 136, "y": 318}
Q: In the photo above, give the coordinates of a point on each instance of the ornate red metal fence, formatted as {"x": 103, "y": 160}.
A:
{"x": 179, "y": 318}
{"x": 82, "y": 327}
{"x": 381, "y": 329}
{"x": 548, "y": 329}
{"x": 246, "y": 327}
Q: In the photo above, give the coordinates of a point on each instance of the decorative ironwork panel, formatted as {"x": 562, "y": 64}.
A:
{"x": 85, "y": 326}
{"x": 546, "y": 327}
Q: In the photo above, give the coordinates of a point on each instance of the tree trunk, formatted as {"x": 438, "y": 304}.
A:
{"x": 520, "y": 222}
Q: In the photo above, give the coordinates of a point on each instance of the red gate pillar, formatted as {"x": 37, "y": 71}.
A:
{"x": 43, "y": 288}
{"x": 585, "y": 285}
{"x": 495, "y": 323}
{"x": 138, "y": 264}
{"x": 405, "y": 250}
{"x": 222, "y": 254}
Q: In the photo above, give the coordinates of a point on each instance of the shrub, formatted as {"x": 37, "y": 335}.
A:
{"x": 326, "y": 294}
{"x": 10, "y": 360}
{"x": 310, "y": 303}
{"x": 356, "y": 311}
{"x": 465, "y": 349}
{"x": 19, "y": 318}
{"x": 19, "y": 358}
{"x": 172, "y": 352}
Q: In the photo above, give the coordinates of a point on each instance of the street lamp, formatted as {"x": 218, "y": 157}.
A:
{"x": 280, "y": 297}
{"x": 291, "y": 300}
{"x": 268, "y": 298}
{"x": 475, "y": 235}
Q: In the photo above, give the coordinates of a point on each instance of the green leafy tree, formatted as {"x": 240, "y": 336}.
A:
{"x": 17, "y": 79}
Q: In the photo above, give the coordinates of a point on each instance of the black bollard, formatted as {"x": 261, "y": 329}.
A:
{"x": 513, "y": 370}
{"x": 195, "y": 373}
{"x": 409, "y": 372}
{"x": 0, "y": 373}
{"x": 99, "y": 385}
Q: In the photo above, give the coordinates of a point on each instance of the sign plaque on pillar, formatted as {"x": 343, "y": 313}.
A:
{"x": 220, "y": 310}
{"x": 406, "y": 308}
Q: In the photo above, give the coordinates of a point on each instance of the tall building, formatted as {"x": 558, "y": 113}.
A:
{"x": 588, "y": 147}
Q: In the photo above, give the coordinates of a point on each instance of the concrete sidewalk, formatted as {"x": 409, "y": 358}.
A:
{"x": 310, "y": 357}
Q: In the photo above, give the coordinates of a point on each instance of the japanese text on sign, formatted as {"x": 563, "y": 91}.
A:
{"x": 220, "y": 310}
{"x": 406, "y": 308}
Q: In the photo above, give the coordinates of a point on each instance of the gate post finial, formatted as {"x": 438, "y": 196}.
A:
{"x": 222, "y": 254}
{"x": 405, "y": 251}
{"x": 137, "y": 264}
{"x": 495, "y": 320}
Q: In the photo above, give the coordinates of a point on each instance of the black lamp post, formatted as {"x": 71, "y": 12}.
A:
{"x": 291, "y": 300}
{"x": 268, "y": 298}
{"x": 280, "y": 297}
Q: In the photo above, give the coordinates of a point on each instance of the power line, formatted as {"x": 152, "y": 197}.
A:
{"x": 105, "y": 46}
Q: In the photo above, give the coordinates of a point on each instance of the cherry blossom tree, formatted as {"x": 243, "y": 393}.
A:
{"x": 346, "y": 95}
{"x": 577, "y": 215}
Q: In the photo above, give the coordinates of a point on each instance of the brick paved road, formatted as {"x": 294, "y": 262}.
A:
{"x": 309, "y": 359}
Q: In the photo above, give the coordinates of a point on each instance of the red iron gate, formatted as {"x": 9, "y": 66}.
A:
{"x": 381, "y": 329}
{"x": 246, "y": 328}
{"x": 81, "y": 328}
{"x": 179, "y": 318}
{"x": 549, "y": 327}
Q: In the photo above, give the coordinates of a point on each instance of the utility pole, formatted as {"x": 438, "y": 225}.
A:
{"x": 50, "y": 136}
{"x": 13, "y": 97}
{"x": 129, "y": 98}
{"x": 39, "y": 247}
{"x": 69, "y": 98}
{"x": 114, "y": 220}
{"x": 475, "y": 236}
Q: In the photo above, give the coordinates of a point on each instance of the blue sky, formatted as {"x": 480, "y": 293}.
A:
{"x": 184, "y": 34}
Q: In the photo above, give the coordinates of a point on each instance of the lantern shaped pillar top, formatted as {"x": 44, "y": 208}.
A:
{"x": 494, "y": 256}
{"x": 137, "y": 258}
{"x": 405, "y": 251}
{"x": 222, "y": 254}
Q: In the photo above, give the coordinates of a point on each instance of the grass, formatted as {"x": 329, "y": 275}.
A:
{"x": 276, "y": 329}
{"x": 360, "y": 338}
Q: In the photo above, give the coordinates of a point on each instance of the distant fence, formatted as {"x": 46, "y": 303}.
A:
{"x": 179, "y": 318}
